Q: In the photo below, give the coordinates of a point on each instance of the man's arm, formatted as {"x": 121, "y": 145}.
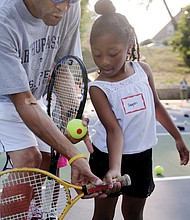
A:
{"x": 43, "y": 127}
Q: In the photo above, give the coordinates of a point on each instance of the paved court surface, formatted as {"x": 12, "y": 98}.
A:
{"x": 171, "y": 198}
{"x": 170, "y": 201}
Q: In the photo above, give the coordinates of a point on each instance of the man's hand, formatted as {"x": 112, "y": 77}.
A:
{"x": 86, "y": 138}
{"x": 82, "y": 175}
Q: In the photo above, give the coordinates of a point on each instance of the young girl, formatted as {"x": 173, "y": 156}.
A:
{"x": 127, "y": 106}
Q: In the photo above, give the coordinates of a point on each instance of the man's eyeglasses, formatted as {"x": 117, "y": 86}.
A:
{"x": 69, "y": 1}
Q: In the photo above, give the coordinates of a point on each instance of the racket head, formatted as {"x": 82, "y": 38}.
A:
{"x": 67, "y": 91}
{"x": 23, "y": 189}
{"x": 67, "y": 94}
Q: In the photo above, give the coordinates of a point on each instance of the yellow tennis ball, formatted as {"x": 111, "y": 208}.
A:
{"x": 76, "y": 128}
{"x": 159, "y": 170}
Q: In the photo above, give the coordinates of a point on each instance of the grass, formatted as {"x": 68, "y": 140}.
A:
{"x": 167, "y": 66}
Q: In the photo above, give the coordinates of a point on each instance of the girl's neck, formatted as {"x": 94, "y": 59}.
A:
{"x": 124, "y": 73}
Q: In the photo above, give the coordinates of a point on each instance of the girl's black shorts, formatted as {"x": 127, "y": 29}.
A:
{"x": 138, "y": 166}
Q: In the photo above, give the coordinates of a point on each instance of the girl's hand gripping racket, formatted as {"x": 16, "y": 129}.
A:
{"x": 24, "y": 189}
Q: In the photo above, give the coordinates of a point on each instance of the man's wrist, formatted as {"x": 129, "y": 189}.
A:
{"x": 77, "y": 157}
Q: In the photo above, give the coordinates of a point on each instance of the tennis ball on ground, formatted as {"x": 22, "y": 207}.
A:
{"x": 185, "y": 122}
{"x": 76, "y": 129}
{"x": 159, "y": 170}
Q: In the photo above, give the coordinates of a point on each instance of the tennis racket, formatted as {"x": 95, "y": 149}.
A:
{"x": 5, "y": 161}
{"x": 67, "y": 94}
{"x": 23, "y": 189}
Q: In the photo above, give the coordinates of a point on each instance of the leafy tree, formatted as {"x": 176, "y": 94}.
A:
{"x": 87, "y": 18}
{"x": 181, "y": 40}
{"x": 84, "y": 18}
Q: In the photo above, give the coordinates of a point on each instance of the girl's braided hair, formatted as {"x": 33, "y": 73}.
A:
{"x": 116, "y": 24}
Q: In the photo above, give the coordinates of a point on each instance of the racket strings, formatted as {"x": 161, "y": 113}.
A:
{"x": 23, "y": 192}
{"x": 67, "y": 94}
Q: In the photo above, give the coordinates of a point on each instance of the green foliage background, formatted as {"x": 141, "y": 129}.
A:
{"x": 181, "y": 40}
{"x": 167, "y": 66}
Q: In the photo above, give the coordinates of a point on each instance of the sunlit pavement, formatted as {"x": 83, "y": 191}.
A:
{"x": 171, "y": 198}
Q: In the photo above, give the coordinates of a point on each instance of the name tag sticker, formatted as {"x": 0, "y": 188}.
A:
{"x": 133, "y": 103}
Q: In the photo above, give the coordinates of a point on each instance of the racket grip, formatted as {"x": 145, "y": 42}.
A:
{"x": 125, "y": 180}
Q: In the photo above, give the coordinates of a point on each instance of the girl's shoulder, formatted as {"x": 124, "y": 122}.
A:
{"x": 145, "y": 66}
{"x": 98, "y": 84}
